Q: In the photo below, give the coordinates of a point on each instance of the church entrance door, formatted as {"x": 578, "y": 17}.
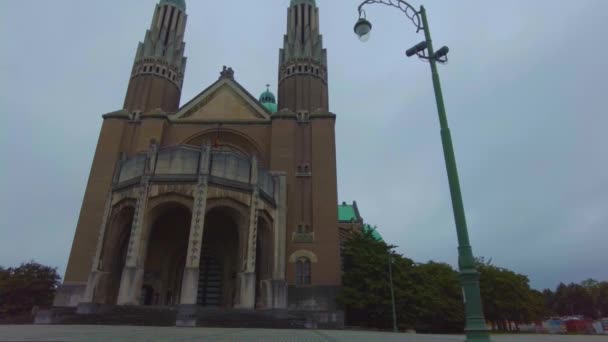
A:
{"x": 219, "y": 259}
{"x": 210, "y": 282}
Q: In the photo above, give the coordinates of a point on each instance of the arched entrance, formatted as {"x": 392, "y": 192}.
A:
{"x": 167, "y": 244}
{"x": 217, "y": 286}
{"x": 114, "y": 253}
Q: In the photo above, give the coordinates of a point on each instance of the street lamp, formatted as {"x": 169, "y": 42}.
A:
{"x": 476, "y": 329}
{"x": 363, "y": 29}
{"x": 390, "y": 276}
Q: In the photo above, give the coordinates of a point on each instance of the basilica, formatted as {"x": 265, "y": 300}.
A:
{"x": 228, "y": 201}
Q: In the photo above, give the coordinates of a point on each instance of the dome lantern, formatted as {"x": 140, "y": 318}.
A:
{"x": 268, "y": 100}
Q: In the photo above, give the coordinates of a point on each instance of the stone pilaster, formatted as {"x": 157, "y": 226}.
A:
{"x": 195, "y": 241}
{"x": 95, "y": 271}
{"x": 133, "y": 272}
{"x": 247, "y": 277}
{"x": 279, "y": 285}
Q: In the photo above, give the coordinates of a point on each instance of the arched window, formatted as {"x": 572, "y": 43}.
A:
{"x": 303, "y": 271}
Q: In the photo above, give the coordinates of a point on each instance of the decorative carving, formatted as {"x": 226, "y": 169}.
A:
{"x": 196, "y": 229}
{"x": 227, "y": 73}
{"x": 102, "y": 232}
{"x": 249, "y": 262}
{"x": 140, "y": 206}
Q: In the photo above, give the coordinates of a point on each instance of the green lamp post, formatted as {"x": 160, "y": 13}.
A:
{"x": 476, "y": 329}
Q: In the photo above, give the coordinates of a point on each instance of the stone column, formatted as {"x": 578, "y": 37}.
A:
{"x": 86, "y": 304}
{"x": 133, "y": 272}
{"x": 247, "y": 276}
{"x": 279, "y": 285}
{"x": 195, "y": 241}
{"x": 186, "y": 315}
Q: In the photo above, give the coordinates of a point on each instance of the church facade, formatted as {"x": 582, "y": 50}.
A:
{"x": 227, "y": 201}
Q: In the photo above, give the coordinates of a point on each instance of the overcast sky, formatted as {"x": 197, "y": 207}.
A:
{"x": 525, "y": 91}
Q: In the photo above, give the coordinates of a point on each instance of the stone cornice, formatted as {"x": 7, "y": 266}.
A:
{"x": 222, "y": 122}
{"x": 322, "y": 115}
{"x": 119, "y": 114}
{"x": 284, "y": 114}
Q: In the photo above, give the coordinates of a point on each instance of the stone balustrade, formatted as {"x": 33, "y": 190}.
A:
{"x": 181, "y": 163}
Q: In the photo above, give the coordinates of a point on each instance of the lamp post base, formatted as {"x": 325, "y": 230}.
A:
{"x": 476, "y": 328}
{"x": 478, "y": 336}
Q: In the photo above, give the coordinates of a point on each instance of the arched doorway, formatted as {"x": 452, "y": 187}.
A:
{"x": 114, "y": 253}
{"x": 167, "y": 244}
{"x": 217, "y": 286}
{"x": 264, "y": 264}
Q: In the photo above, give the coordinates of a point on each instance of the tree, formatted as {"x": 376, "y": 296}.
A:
{"x": 21, "y": 288}
{"x": 507, "y": 296}
{"x": 573, "y": 299}
{"x": 440, "y": 307}
{"x": 365, "y": 291}
{"x": 427, "y": 296}
{"x": 593, "y": 289}
{"x": 602, "y": 300}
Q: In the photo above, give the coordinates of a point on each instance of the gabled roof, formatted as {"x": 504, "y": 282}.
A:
{"x": 227, "y": 100}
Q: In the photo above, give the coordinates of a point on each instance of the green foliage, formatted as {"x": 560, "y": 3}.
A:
{"x": 23, "y": 287}
{"x": 590, "y": 298}
{"x": 427, "y": 296}
{"x": 439, "y": 297}
{"x": 507, "y": 295}
{"x": 602, "y": 300}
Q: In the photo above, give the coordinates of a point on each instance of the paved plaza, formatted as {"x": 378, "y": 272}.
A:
{"x": 122, "y": 333}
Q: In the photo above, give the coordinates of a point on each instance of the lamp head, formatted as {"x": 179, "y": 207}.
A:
{"x": 363, "y": 29}
{"x": 416, "y": 49}
{"x": 442, "y": 52}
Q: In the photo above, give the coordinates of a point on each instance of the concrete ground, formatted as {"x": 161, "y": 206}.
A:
{"x": 121, "y": 333}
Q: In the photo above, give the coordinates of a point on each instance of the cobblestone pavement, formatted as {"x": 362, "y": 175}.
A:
{"x": 115, "y": 333}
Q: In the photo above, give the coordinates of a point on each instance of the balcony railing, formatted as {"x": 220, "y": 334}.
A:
{"x": 182, "y": 163}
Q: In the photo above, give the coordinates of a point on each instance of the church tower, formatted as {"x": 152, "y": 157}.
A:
{"x": 303, "y": 61}
{"x": 303, "y": 145}
{"x": 158, "y": 70}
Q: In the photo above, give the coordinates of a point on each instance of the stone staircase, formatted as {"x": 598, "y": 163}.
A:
{"x": 236, "y": 318}
{"x": 168, "y": 316}
{"x": 116, "y": 315}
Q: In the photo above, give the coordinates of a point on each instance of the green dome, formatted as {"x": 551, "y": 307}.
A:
{"x": 177, "y": 3}
{"x": 268, "y": 100}
{"x": 374, "y": 232}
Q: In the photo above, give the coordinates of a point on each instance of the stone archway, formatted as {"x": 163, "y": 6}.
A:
{"x": 114, "y": 253}
{"x": 165, "y": 254}
{"x": 220, "y": 257}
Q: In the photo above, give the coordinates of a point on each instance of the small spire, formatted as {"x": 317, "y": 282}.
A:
{"x": 267, "y": 87}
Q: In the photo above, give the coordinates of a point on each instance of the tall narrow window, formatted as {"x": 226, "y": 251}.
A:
{"x": 162, "y": 21}
{"x": 303, "y": 271}
{"x": 302, "y": 19}
{"x": 169, "y": 27}
{"x": 309, "y": 14}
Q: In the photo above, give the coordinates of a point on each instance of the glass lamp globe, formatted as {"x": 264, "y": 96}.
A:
{"x": 363, "y": 29}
